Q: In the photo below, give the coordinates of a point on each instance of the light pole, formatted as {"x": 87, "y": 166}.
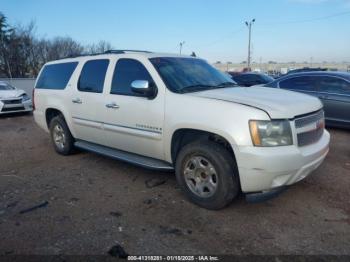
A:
{"x": 249, "y": 25}
{"x": 181, "y": 44}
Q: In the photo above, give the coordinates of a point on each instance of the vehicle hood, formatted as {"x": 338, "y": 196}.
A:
{"x": 277, "y": 103}
{"x": 5, "y": 94}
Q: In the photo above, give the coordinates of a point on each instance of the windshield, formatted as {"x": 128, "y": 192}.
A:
{"x": 6, "y": 86}
{"x": 267, "y": 78}
{"x": 183, "y": 75}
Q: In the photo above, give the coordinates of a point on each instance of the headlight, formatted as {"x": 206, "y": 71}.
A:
{"x": 25, "y": 97}
{"x": 271, "y": 133}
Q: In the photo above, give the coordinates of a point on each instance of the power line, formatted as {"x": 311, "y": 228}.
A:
{"x": 307, "y": 20}
{"x": 273, "y": 23}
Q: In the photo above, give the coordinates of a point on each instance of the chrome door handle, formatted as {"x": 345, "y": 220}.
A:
{"x": 77, "y": 101}
{"x": 112, "y": 105}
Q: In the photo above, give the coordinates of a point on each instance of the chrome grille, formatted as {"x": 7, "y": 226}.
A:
{"x": 11, "y": 102}
{"x": 309, "y": 128}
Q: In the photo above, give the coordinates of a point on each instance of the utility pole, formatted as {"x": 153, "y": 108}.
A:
{"x": 249, "y": 25}
{"x": 181, "y": 44}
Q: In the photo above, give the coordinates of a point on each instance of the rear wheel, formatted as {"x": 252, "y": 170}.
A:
{"x": 207, "y": 173}
{"x": 61, "y": 137}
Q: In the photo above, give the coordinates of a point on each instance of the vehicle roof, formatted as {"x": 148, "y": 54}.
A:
{"x": 252, "y": 73}
{"x": 132, "y": 54}
{"x": 319, "y": 73}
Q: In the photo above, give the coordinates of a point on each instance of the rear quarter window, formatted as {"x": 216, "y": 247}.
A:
{"x": 56, "y": 76}
{"x": 334, "y": 85}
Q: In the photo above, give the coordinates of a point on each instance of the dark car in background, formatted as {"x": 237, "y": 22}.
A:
{"x": 332, "y": 88}
{"x": 251, "y": 79}
{"x": 306, "y": 69}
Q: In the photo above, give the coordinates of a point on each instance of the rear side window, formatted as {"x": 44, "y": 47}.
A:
{"x": 92, "y": 76}
{"x": 126, "y": 71}
{"x": 302, "y": 83}
{"x": 56, "y": 76}
{"x": 334, "y": 85}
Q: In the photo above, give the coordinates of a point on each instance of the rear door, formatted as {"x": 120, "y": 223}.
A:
{"x": 335, "y": 95}
{"x": 86, "y": 98}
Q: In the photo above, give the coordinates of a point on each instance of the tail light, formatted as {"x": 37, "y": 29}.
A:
{"x": 33, "y": 100}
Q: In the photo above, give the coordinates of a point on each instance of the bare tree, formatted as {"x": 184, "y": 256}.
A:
{"x": 100, "y": 47}
{"x": 5, "y": 32}
{"x": 22, "y": 53}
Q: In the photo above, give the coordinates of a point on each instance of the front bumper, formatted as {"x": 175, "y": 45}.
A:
{"x": 264, "y": 169}
{"x": 22, "y": 106}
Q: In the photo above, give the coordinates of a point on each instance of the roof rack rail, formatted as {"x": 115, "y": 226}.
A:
{"x": 80, "y": 55}
{"x": 106, "y": 52}
{"x": 122, "y": 51}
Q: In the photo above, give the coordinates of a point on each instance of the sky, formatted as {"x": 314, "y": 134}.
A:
{"x": 285, "y": 30}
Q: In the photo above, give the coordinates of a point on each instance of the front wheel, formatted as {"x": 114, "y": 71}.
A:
{"x": 207, "y": 174}
{"x": 61, "y": 137}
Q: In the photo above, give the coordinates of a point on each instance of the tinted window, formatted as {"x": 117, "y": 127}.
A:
{"x": 92, "y": 76}
{"x": 253, "y": 79}
{"x": 189, "y": 74}
{"x": 302, "y": 83}
{"x": 56, "y": 76}
{"x": 126, "y": 71}
{"x": 334, "y": 85}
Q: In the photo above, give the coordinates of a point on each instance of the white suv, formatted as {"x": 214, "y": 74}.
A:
{"x": 170, "y": 112}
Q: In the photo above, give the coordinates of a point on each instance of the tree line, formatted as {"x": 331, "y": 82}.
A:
{"x": 23, "y": 53}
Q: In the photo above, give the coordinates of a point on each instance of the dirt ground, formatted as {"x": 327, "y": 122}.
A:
{"x": 90, "y": 203}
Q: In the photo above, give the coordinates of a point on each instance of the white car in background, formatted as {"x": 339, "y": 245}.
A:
{"x": 13, "y": 100}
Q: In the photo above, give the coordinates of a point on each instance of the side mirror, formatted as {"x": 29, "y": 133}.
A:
{"x": 142, "y": 87}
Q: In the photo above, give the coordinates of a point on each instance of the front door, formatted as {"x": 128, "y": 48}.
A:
{"x": 133, "y": 122}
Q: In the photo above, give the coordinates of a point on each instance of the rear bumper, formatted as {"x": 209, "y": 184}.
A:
{"x": 264, "y": 169}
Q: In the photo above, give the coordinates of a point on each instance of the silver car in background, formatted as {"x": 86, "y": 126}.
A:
{"x": 332, "y": 88}
{"x": 13, "y": 100}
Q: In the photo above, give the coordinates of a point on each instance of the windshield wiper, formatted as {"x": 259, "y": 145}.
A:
{"x": 196, "y": 88}
{"x": 200, "y": 87}
{"x": 227, "y": 84}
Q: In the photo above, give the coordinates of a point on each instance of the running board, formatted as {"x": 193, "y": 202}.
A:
{"x": 135, "y": 159}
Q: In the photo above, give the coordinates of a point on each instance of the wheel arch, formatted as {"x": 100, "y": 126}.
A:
{"x": 52, "y": 112}
{"x": 183, "y": 136}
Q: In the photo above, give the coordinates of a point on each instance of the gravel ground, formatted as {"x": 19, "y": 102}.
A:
{"x": 90, "y": 203}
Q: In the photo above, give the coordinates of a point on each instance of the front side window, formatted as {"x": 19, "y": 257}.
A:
{"x": 56, "y": 76}
{"x": 334, "y": 85}
{"x": 126, "y": 71}
{"x": 92, "y": 76}
{"x": 189, "y": 74}
{"x": 300, "y": 83}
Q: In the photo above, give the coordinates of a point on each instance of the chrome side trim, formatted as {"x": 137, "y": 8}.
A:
{"x": 132, "y": 131}
{"x": 111, "y": 127}
{"x": 88, "y": 123}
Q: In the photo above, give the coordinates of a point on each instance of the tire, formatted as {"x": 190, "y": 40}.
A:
{"x": 219, "y": 184}
{"x": 65, "y": 144}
